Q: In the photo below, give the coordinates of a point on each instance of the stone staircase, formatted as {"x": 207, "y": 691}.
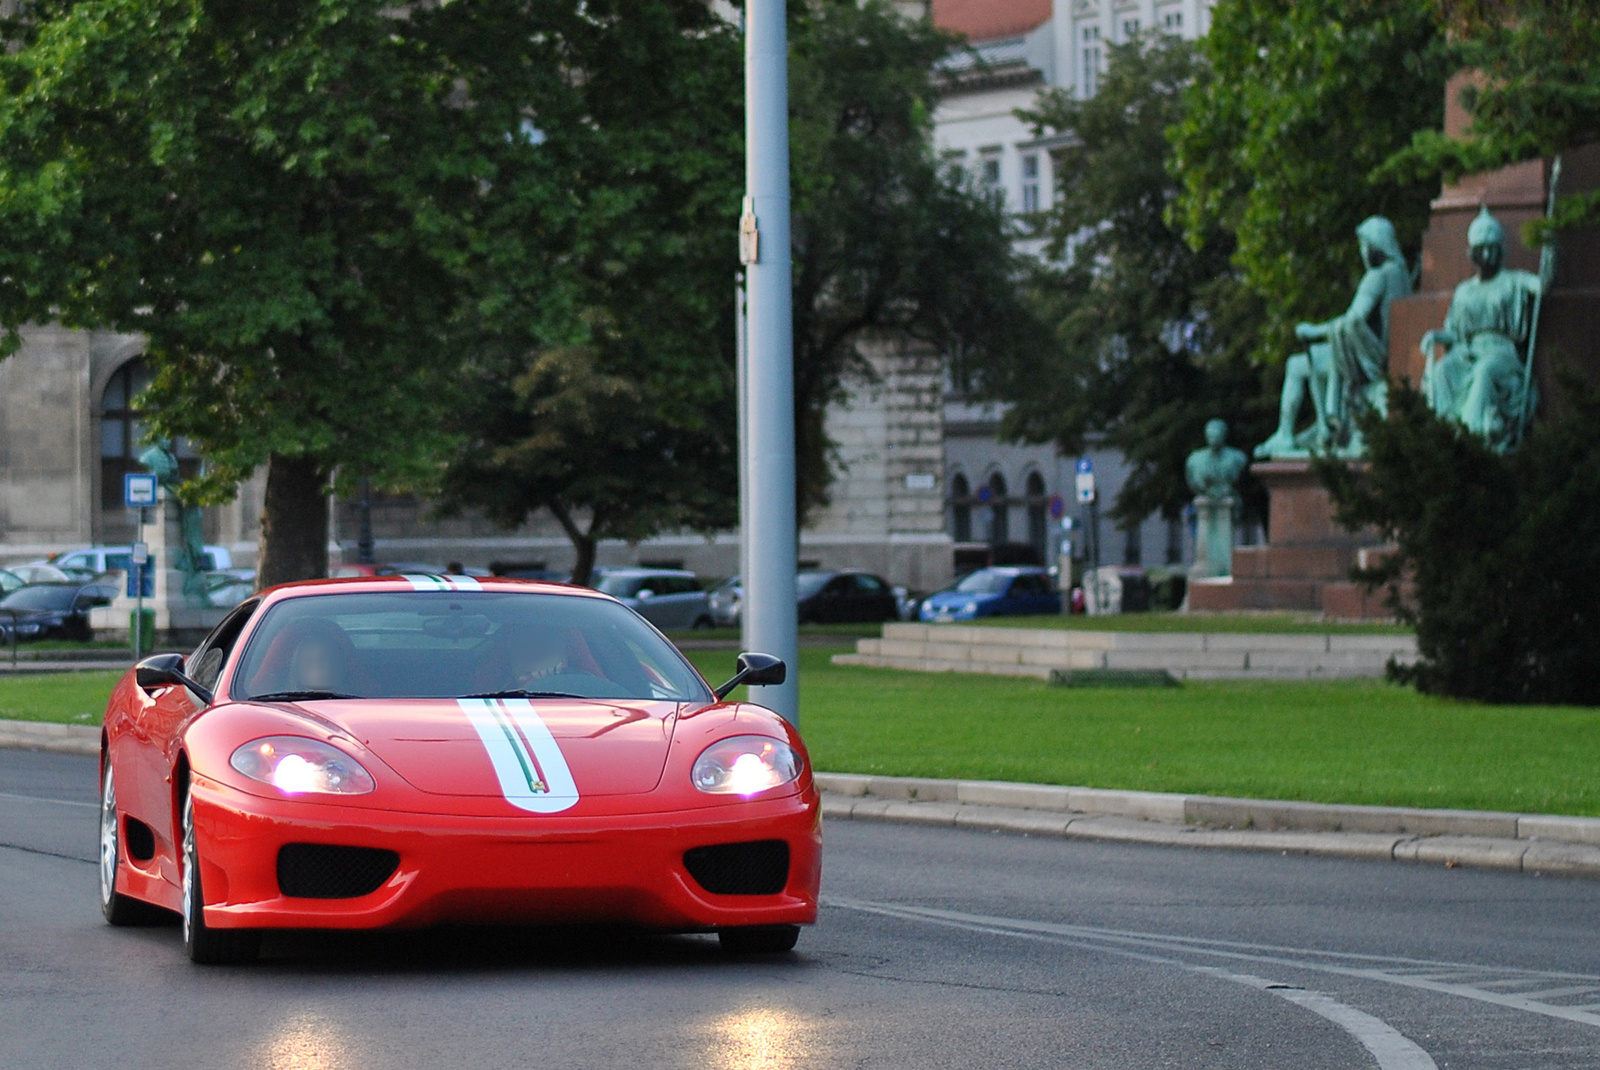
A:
{"x": 1186, "y": 655}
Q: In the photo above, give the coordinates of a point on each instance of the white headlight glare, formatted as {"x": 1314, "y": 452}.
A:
{"x": 745, "y": 765}
{"x": 299, "y": 766}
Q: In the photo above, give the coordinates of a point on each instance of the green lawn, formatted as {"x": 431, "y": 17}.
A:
{"x": 69, "y": 697}
{"x": 1356, "y": 742}
{"x": 1210, "y": 623}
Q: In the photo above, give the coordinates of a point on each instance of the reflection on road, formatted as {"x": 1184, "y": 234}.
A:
{"x": 758, "y": 1039}
{"x": 307, "y": 1042}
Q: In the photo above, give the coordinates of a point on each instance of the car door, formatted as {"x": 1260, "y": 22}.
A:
{"x": 875, "y": 600}
{"x": 657, "y": 608}
{"x": 160, "y": 722}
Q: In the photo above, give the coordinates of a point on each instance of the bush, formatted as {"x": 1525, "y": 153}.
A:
{"x": 1500, "y": 555}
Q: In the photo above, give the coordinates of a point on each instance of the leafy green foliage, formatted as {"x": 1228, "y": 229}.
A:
{"x": 1152, "y": 336}
{"x": 1501, "y": 554}
{"x": 1300, "y": 104}
{"x": 602, "y": 329}
{"x": 1538, "y": 93}
{"x": 272, "y": 194}
{"x": 886, "y": 242}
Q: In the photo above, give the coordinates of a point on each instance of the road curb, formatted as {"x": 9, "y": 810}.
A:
{"x": 1528, "y": 843}
{"x": 44, "y": 735}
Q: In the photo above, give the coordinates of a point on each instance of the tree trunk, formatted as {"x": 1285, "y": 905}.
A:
{"x": 583, "y": 543}
{"x": 294, "y": 522}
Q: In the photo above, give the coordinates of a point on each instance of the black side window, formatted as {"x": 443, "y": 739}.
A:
{"x": 207, "y": 661}
{"x": 869, "y": 584}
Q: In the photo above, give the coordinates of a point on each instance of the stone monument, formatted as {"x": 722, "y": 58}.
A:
{"x": 1213, "y": 473}
{"x": 1345, "y": 369}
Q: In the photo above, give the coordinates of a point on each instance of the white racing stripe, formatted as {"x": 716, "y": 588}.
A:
{"x": 1390, "y": 1048}
{"x": 424, "y": 582}
{"x": 532, "y": 771}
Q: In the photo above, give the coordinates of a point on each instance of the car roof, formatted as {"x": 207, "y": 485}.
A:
{"x": 639, "y": 570}
{"x": 416, "y": 581}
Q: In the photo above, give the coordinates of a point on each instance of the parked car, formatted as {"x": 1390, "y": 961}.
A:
{"x": 94, "y": 560}
{"x": 1011, "y": 591}
{"x": 52, "y": 610}
{"x": 668, "y": 598}
{"x": 39, "y": 572}
{"x": 724, "y": 601}
{"x": 847, "y": 596}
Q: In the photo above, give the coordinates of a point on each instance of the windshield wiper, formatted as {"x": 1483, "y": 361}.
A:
{"x": 299, "y": 696}
{"x": 518, "y": 692}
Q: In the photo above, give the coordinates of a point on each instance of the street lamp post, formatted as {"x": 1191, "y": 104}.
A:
{"x": 769, "y": 613}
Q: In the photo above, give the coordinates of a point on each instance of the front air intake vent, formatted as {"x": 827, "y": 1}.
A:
{"x": 758, "y": 868}
{"x": 324, "y": 871}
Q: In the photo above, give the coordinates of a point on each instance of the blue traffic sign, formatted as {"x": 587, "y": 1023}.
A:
{"x": 138, "y": 490}
{"x": 1085, "y": 464}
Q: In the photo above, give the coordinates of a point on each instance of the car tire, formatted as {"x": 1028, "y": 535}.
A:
{"x": 205, "y": 945}
{"x": 703, "y": 622}
{"x": 117, "y": 908}
{"x": 759, "y": 939}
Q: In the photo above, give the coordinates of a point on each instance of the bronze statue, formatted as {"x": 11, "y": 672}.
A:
{"x": 1346, "y": 367}
{"x": 1484, "y": 380}
{"x": 163, "y": 464}
{"x": 1213, "y": 474}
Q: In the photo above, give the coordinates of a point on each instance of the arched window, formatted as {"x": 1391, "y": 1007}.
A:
{"x": 122, "y": 433}
{"x": 960, "y": 508}
{"x": 1038, "y": 516}
{"x": 999, "y": 524}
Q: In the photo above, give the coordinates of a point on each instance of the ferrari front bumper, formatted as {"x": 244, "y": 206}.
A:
{"x": 533, "y": 869}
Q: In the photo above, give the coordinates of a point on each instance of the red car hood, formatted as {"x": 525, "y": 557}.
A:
{"x": 451, "y": 746}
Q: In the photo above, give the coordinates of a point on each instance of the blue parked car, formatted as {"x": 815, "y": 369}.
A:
{"x": 994, "y": 592}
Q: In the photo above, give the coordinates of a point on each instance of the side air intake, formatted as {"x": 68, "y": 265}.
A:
{"x": 757, "y": 868}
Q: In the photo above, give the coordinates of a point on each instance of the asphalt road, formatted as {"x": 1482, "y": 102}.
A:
{"x": 936, "y": 948}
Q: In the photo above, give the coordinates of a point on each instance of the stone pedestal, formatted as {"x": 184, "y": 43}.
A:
{"x": 1569, "y": 318}
{"x": 1213, "y": 548}
{"x": 1304, "y": 565}
{"x": 180, "y": 620}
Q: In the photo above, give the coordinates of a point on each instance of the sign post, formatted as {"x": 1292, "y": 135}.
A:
{"x": 138, "y": 492}
{"x": 1089, "y": 497}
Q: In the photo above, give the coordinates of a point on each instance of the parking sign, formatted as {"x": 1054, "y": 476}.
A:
{"x": 138, "y": 490}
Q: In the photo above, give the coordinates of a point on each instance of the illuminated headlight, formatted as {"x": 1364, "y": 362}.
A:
{"x": 299, "y": 766}
{"x": 745, "y": 765}
{"x": 970, "y": 607}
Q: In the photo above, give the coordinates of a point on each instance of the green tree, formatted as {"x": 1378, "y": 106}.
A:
{"x": 888, "y": 244}
{"x": 613, "y": 408}
{"x": 271, "y": 193}
{"x": 1499, "y": 556}
{"x": 1152, "y": 335}
{"x": 600, "y": 380}
{"x": 1539, "y": 93}
{"x": 1299, "y": 104}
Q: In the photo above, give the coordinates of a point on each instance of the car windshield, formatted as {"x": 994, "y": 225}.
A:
{"x": 427, "y": 644}
{"x": 620, "y": 586}
{"x": 809, "y": 583}
{"x": 41, "y": 597}
{"x": 985, "y": 582}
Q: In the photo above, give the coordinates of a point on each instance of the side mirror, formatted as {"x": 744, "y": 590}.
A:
{"x": 645, "y": 594}
{"x": 166, "y": 670}
{"x": 757, "y": 670}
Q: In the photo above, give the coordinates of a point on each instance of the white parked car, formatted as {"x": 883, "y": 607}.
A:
{"x": 97, "y": 559}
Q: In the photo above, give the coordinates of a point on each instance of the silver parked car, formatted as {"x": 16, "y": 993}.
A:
{"x": 671, "y": 599}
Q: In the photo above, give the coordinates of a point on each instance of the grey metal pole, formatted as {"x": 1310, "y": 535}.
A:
{"x": 770, "y": 612}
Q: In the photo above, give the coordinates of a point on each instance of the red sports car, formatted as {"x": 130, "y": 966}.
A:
{"x": 407, "y": 750}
